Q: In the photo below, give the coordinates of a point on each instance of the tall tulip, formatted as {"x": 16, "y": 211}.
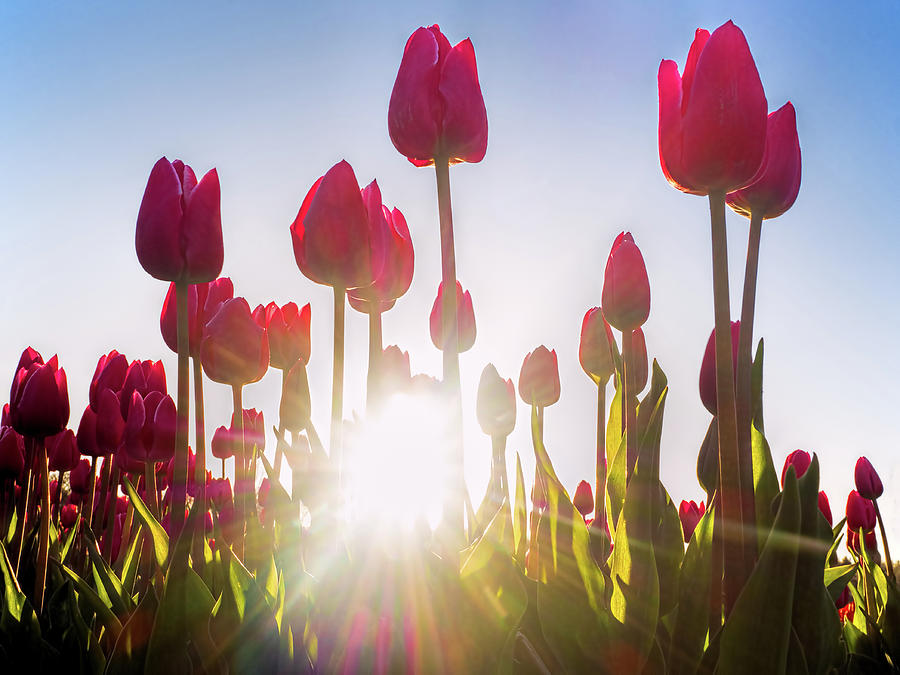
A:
{"x": 465, "y": 319}
{"x": 496, "y": 411}
{"x": 712, "y": 138}
{"x": 869, "y": 485}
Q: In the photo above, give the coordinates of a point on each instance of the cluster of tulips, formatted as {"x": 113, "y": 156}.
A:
{"x": 154, "y": 562}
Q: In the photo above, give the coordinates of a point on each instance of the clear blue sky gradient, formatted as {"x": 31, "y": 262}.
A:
{"x": 94, "y": 93}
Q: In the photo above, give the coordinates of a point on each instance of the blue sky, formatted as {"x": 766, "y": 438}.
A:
{"x": 272, "y": 96}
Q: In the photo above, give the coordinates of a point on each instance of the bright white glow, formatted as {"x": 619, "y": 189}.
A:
{"x": 396, "y": 463}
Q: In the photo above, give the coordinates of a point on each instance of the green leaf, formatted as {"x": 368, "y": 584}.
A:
{"x": 668, "y": 549}
{"x": 692, "y": 617}
{"x": 13, "y": 597}
{"x": 120, "y": 601}
{"x": 70, "y": 537}
{"x": 890, "y": 621}
{"x": 756, "y": 386}
{"x": 520, "y": 517}
{"x": 765, "y": 485}
{"x": 616, "y": 481}
{"x": 761, "y": 617}
{"x": 151, "y": 525}
{"x": 837, "y": 534}
{"x": 130, "y": 651}
{"x": 104, "y": 614}
{"x": 837, "y": 578}
{"x": 614, "y": 419}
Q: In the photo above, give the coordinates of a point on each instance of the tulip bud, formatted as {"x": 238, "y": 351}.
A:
{"x": 539, "y": 378}
{"x": 235, "y": 349}
{"x": 203, "y": 301}
{"x": 774, "y": 188}
{"x": 868, "y": 483}
{"x": 39, "y": 398}
{"x": 150, "y": 428}
{"x": 496, "y": 403}
{"x": 825, "y": 508}
{"x": 626, "y": 288}
{"x": 708, "y": 367}
{"x": 597, "y": 347}
{"x": 80, "y": 478}
{"x": 222, "y": 444}
{"x": 860, "y": 512}
{"x": 800, "y": 460}
{"x": 179, "y": 226}
{"x": 712, "y": 120}
{"x": 12, "y": 453}
{"x": 288, "y": 331}
{"x": 110, "y": 425}
{"x": 690, "y": 514}
{"x": 109, "y": 374}
{"x": 294, "y": 411}
{"x": 465, "y": 320}
{"x": 254, "y": 427}
{"x": 68, "y": 515}
{"x": 62, "y": 451}
{"x": 393, "y": 371}
{"x": 436, "y": 107}
{"x": 583, "y": 501}
{"x": 396, "y": 274}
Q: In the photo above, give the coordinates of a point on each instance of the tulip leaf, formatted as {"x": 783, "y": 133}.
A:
{"x": 121, "y": 602}
{"x": 837, "y": 533}
{"x": 13, "y": 598}
{"x": 614, "y": 421}
{"x": 520, "y": 517}
{"x": 756, "y": 386}
{"x": 765, "y": 484}
{"x": 70, "y": 538}
{"x": 890, "y": 621}
{"x": 130, "y": 650}
{"x": 616, "y": 480}
{"x": 837, "y": 578}
{"x": 668, "y": 549}
{"x": 692, "y": 617}
{"x": 762, "y": 612}
{"x": 104, "y": 614}
{"x": 157, "y": 534}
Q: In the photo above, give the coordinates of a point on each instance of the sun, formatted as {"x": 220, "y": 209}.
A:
{"x": 397, "y": 465}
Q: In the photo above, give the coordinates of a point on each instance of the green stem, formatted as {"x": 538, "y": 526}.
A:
{"x": 631, "y": 450}
{"x": 887, "y": 551}
{"x": 279, "y": 452}
{"x": 337, "y": 383}
{"x": 498, "y": 471}
{"x": 454, "y": 508}
{"x": 743, "y": 393}
{"x": 179, "y": 475}
{"x": 373, "y": 380}
{"x": 600, "y": 484}
{"x": 40, "y": 579}
{"x": 729, "y": 457}
{"x": 24, "y": 503}
{"x": 110, "y": 512}
{"x": 150, "y": 488}
{"x": 200, "y": 438}
{"x": 240, "y": 471}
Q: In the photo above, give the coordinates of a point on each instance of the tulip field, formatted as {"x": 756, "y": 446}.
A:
{"x": 139, "y": 535}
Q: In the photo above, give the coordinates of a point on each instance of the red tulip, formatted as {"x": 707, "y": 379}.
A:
{"x": 712, "y": 120}
{"x": 496, "y": 403}
{"x": 774, "y": 188}
{"x": 860, "y": 512}
{"x": 288, "y": 332}
{"x": 868, "y": 483}
{"x": 204, "y": 300}
{"x": 80, "y": 478}
{"x": 12, "y": 453}
{"x": 708, "y": 367}
{"x": 62, "y": 451}
{"x": 218, "y": 490}
{"x": 626, "y": 288}
{"x": 340, "y": 234}
{"x": 294, "y": 410}
{"x": 226, "y": 443}
{"x": 142, "y": 377}
{"x": 86, "y": 438}
{"x": 539, "y": 378}
{"x": 584, "y": 499}
{"x": 109, "y": 374}
{"x": 397, "y": 272}
{"x": 465, "y": 319}
{"x": 68, "y": 514}
{"x": 150, "y": 428}
{"x": 868, "y": 538}
{"x": 394, "y": 371}
{"x": 825, "y": 508}
{"x": 235, "y": 349}
{"x": 595, "y": 350}
{"x": 690, "y": 514}
{"x": 110, "y": 426}
{"x": 436, "y": 106}
{"x": 800, "y": 460}
{"x": 222, "y": 444}
{"x": 39, "y": 398}
{"x": 179, "y": 225}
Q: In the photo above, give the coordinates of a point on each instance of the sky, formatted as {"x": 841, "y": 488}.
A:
{"x": 274, "y": 94}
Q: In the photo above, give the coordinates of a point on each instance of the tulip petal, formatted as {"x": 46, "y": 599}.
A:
{"x": 202, "y": 231}
{"x": 158, "y": 232}
{"x": 465, "y": 127}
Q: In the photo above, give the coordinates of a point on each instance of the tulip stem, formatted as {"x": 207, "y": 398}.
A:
{"x": 887, "y": 551}
{"x": 150, "y": 488}
{"x": 337, "y": 383}
{"x": 40, "y": 579}
{"x": 454, "y": 508}
{"x": 499, "y": 488}
{"x": 743, "y": 393}
{"x": 99, "y": 514}
{"x": 600, "y": 486}
{"x": 240, "y": 470}
{"x": 627, "y": 396}
{"x": 729, "y": 457}
{"x": 110, "y": 512}
{"x": 279, "y": 446}
{"x": 24, "y": 502}
{"x": 376, "y": 348}
{"x": 179, "y": 474}
{"x": 199, "y": 441}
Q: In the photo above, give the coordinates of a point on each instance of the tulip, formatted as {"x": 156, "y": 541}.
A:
{"x": 775, "y": 186}
{"x": 495, "y": 403}
{"x": 626, "y": 288}
{"x": 12, "y": 453}
{"x": 825, "y": 508}
{"x": 39, "y": 398}
{"x": 395, "y": 374}
{"x": 800, "y": 460}
{"x": 868, "y": 538}
{"x": 396, "y": 274}
{"x": 62, "y": 451}
{"x": 596, "y": 349}
{"x": 235, "y": 349}
{"x": 219, "y": 492}
{"x": 222, "y": 444}
{"x": 109, "y": 374}
{"x": 583, "y": 501}
{"x": 142, "y": 377}
{"x": 150, "y": 430}
{"x": 179, "y": 225}
{"x": 110, "y": 424}
{"x": 690, "y": 515}
{"x": 436, "y": 108}
{"x": 539, "y": 378}
{"x": 288, "y": 331}
{"x": 80, "y": 478}
{"x": 712, "y": 120}
{"x": 860, "y": 512}
{"x": 294, "y": 411}
{"x": 465, "y": 317}
{"x": 868, "y": 483}
{"x": 708, "y": 367}
{"x": 204, "y": 300}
